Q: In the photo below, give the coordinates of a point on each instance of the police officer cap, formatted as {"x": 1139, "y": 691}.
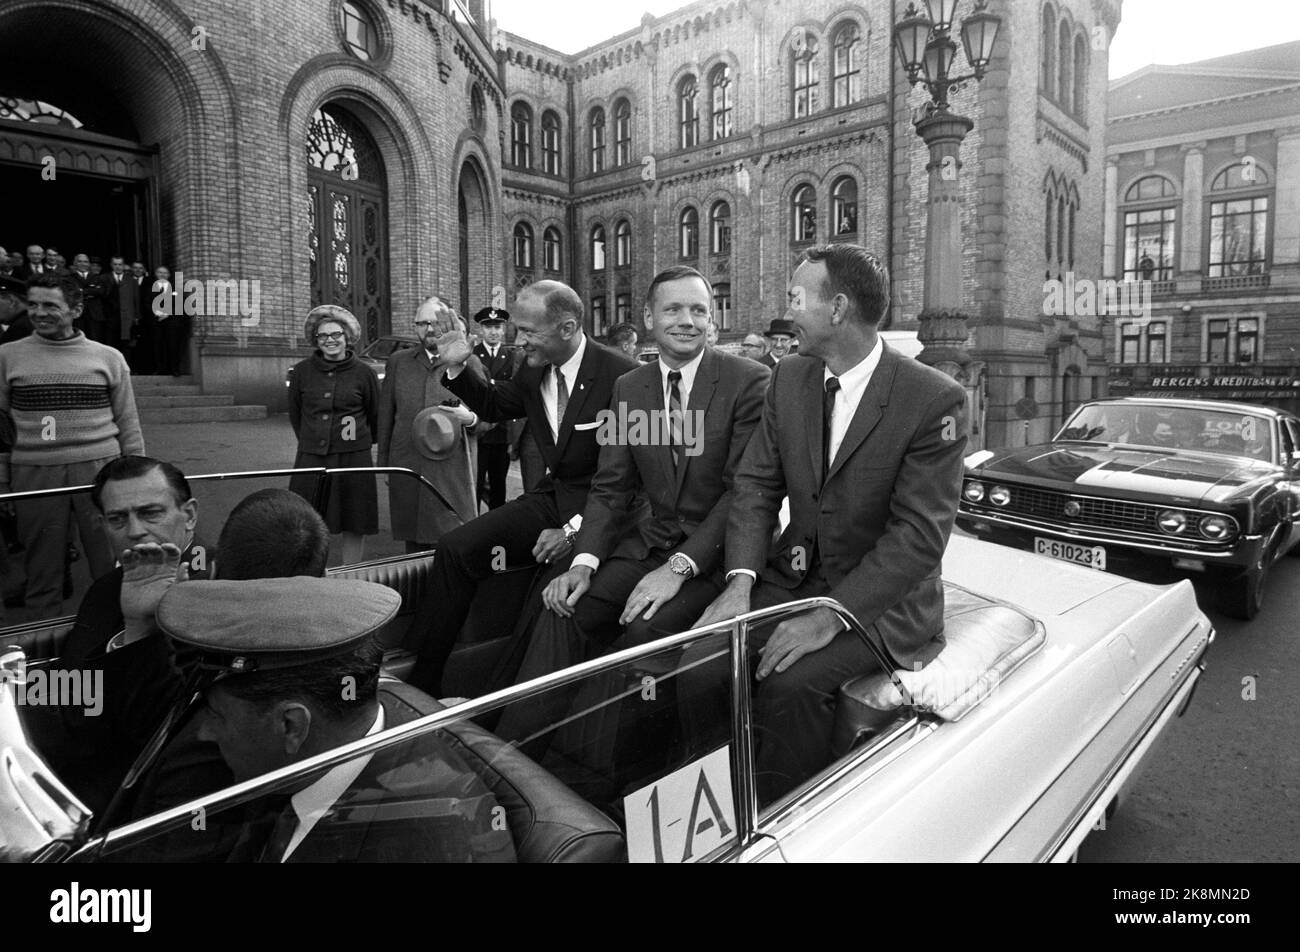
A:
{"x": 238, "y": 627}
{"x": 492, "y": 315}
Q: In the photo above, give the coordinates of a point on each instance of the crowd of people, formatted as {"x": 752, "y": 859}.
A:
{"x": 629, "y": 539}
{"x": 125, "y": 307}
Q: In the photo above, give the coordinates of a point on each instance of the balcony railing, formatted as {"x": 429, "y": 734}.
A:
{"x": 1240, "y": 282}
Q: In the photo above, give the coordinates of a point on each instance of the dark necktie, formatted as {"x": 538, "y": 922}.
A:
{"x": 675, "y": 416}
{"x": 828, "y": 411}
{"x": 286, "y": 822}
{"x": 561, "y": 399}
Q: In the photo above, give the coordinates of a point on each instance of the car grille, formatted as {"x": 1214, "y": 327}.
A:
{"x": 1103, "y": 513}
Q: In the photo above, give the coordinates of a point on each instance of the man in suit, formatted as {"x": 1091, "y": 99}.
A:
{"x": 566, "y": 381}
{"x": 93, "y": 294}
{"x": 299, "y": 676}
{"x": 755, "y": 348}
{"x": 122, "y": 305}
{"x": 499, "y": 363}
{"x": 781, "y": 334}
{"x": 146, "y": 324}
{"x": 34, "y": 265}
{"x": 868, "y": 447}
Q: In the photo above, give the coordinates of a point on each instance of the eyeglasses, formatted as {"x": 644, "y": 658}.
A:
{"x": 336, "y": 335}
{"x": 423, "y": 324}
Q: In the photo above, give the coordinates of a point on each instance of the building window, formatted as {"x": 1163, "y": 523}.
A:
{"x": 688, "y": 115}
{"x": 623, "y": 244}
{"x": 846, "y": 71}
{"x": 359, "y": 32}
{"x": 803, "y": 213}
{"x": 597, "y": 126}
{"x": 722, "y": 306}
{"x": 550, "y": 143}
{"x": 622, "y": 132}
{"x": 806, "y": 79}
{"x": 844, "y": 205}
{"x": 476, "y": 107}
{"x": 688, "y": 229}
{"x": 1051, "y": 226}
{"x": 521, "y": 136}
{"x": 720, "y": 229}
{"x": 1149, "y": 233}
{"x": 1157, "y": 346}
{"x": 598, "y": 315}
{"x": 1130, "y": 344}
{"x": 1080, "y": 76}
{"x": 1239, "y": 226}
{"x": 1247, "y": 340}
{"x": 552, "y": 259}
{"x": 623, "y": 308}
{"x": 598, "y": 248}
{"x": 1047, "y": 70}
{"x": 523, "y": 245}
{"x": 720, "y": 87}
{"x": 1216, "y": 342}
{"x": 1063, "y": 57}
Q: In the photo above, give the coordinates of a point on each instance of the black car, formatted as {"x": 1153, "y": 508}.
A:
{"x": 1210, "y": 490}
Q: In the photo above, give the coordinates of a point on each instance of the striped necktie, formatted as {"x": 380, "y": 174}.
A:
{"x": 675, "y": 415}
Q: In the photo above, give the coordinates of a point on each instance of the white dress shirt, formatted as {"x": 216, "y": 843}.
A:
{"x": 550, "y": 394}
{"x": 853, "y": 383}
{"x": 312, "y": 803}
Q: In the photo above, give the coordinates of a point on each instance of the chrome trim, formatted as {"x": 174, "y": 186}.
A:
{"x": 742, "y": 752}
{"x": 1070, "y": 535}
{"x": 1157, "y": 506}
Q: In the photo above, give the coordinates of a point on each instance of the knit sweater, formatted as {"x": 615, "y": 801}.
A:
{"x": 70, "y": 401}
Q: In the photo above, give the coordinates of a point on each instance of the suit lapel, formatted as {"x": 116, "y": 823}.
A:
{"x": 812, "y": 413}
{"x": 870, "y": 408}
{"x": 531, "y": 379}
{"x": 579, "y": 394}
{"x": 706, "y": 383}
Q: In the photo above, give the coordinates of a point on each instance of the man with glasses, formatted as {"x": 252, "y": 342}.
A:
{"x": 565, "y": 382}
{"x": 755, "y": 348}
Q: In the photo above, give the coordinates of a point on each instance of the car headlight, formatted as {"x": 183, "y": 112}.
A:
{"x": 973, "y": 491}
{"x": 1171, "y": 521}
{"x": 999, "y": 495}
{"x": 1218, "y": 528}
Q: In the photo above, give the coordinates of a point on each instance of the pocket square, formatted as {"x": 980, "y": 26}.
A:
{"x": 587, "y": 426}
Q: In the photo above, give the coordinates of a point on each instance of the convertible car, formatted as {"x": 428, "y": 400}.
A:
{"x": 1197, "y": 488}
{"x": 1054, "y": 688}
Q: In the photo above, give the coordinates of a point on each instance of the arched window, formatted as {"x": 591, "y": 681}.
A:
{"x": 596, "y": 124}
{"x": 476, "y": 107}
{"x": 720, "y": 229}
{"x": 803, "y": 213}
{"x": 846, "y": 71}
{"x": 844, "y": 205}
{"x": 521, "y": 136}
{"x": 1080, "y": 76}
{"x": 36, "y": 111}
{"x": 1050, "y": 232}
{"x": 722, "y": 306}
{"x": 622, "y": 244}
{"x": 1150, "y": 228}
{"x": 523, "y": 245}
{"x": 803, "y": 56}
{"x": 550, "y": 143}
{"x": 1064, "y": 56}
{"x": 598, "y": 315}
{"x": 622, "y": 132}
{"x": 1240, "y": 175}
{"x": 1047, "y": 68}
{"x": 720, "y": 87}
{"x": 598, "y": 248}
{"x": 1239, "y": 222}
{"x": 359, "y": 32}
{"x": 688, "y": 228}
{"x": 688, "y": 116}
{"x": 552, "y": 258}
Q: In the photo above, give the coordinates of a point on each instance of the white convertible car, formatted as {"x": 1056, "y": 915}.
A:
{"x": 1055, "y": 686}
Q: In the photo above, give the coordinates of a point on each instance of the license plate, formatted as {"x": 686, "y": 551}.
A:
{"x": 1093, "y": 556}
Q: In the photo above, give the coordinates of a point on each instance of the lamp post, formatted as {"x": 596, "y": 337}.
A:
{"x": 929, "y": 55}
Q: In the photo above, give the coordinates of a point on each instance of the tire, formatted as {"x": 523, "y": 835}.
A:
{"x": 1243, "y": 597}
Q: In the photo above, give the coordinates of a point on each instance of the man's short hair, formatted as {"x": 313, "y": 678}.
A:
{"x": 72, "y": 294}
{"x": 560, "y": 301}
{"x": 133, "y": 467}
{"x": 320, "y": 683}
{"x": 623, "y": 334}
{"x": 675, "y": 273}
{"x": 860, "y": 276}
{"x": 273, "y": 533}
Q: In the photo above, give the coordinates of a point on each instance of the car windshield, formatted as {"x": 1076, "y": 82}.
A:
{"x": 385, "y": 347}
{"x": 1173, "y": 427}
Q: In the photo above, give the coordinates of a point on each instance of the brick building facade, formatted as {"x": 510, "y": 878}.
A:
{"x": 374, "y": 151}
{"x": 1203, "y": 202}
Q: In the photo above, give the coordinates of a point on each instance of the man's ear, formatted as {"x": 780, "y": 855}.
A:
{"x": 293, "y": 718}
{"x": 648, "y": 318}
{"x": 191, "y": 510}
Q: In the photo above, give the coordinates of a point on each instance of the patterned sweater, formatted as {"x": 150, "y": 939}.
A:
{"x": 70, "y": 401}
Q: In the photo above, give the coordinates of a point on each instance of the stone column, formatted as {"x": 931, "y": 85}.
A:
{"x": 1110, "y": 263}
{"x": 1286, "y": 216}
{"x": 1189, "y": 254}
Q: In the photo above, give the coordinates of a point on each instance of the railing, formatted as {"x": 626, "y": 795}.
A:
{"x": 1240, "y": 282}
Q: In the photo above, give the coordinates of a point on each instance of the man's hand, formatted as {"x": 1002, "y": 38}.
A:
{"x": 651, "y": 593}
{"x": 733, "y": 601}
{"x": 551, "y": 544}
{"x": 148, "y": 571}
{"x": 563, "y": 593}
{"x": 449, "y": 335}
{"x": 796, "y": 637}
{"x": 462, "y": 414}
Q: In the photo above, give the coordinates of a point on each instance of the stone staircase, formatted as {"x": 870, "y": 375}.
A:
{"x": 181, "y": 400}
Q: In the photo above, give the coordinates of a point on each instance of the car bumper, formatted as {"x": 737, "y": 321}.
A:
{"x": 1007, "y": 529}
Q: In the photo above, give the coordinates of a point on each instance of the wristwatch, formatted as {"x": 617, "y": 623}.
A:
{"x": 680, "y": 565}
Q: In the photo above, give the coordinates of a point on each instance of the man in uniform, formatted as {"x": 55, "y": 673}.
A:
{"x": 499, "y": 363}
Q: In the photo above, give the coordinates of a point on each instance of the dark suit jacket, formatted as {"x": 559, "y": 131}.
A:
{"x": 882, "y": 519}
{"x": 25, "y": 272}
{"x": 688, "y": 509}
{"x": 414, "y": 802}
{"x": 122, "y": 305}
{"x": 502, "y": 367}
{"x": 767, "y": 360}
{"x": 571, "y": 460}
{"x": 94, "y": 295}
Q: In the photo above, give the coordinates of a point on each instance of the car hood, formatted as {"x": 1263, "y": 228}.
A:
{"x": 1115, "y": 470}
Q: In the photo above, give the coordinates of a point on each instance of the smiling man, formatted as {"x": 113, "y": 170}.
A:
{"x": 73, "y": 410}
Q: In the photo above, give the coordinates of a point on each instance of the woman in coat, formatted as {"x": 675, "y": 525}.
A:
{"x": 333, "y": 407}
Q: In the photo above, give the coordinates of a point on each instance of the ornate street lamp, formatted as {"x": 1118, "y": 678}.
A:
{"x": 928, "y": 53}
